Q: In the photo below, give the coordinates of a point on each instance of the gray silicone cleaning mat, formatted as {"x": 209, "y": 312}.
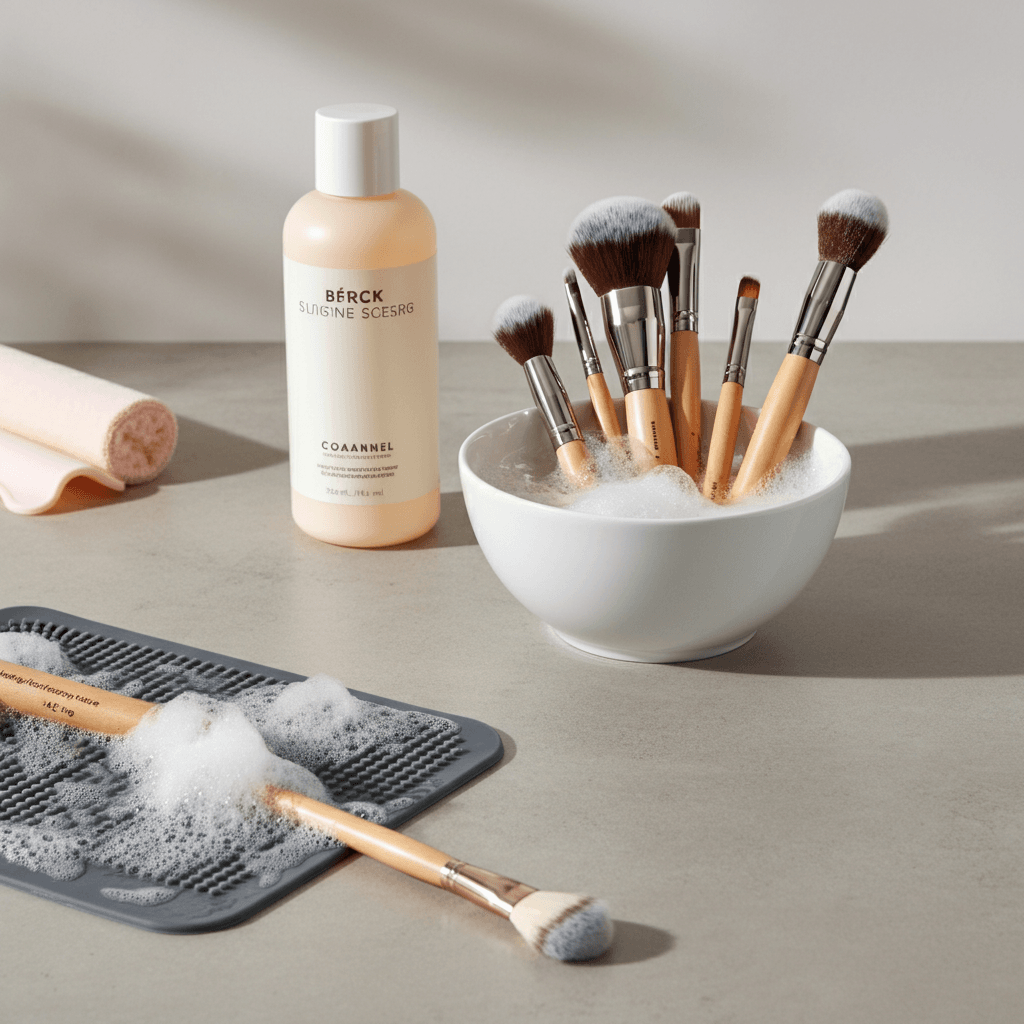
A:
{"x": 436, "y": 759}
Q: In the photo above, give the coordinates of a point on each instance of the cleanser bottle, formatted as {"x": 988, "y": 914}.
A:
{"x": 360, "y": 293}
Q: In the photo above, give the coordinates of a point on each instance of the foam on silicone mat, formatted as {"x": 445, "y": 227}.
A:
{"x": 181, "y": 790}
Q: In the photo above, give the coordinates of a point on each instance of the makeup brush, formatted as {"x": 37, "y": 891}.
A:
{"x": 526, "y": 331}
{"x": 622, "y": 247}
{"x": 684, "y": 355}
{"x": 851, "y": 227}
{"x": 600, "y": 396}
{"x": 730, "y": 399}
{"x": 565, "y": 926}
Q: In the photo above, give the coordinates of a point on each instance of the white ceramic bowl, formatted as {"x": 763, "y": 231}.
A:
{"x": 654, "y": 590}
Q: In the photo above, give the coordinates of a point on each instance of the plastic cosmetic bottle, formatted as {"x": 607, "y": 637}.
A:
{"x": 360, "y": 292}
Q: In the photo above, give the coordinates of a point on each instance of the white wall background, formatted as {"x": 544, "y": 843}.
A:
{"x": 151, "y": 148}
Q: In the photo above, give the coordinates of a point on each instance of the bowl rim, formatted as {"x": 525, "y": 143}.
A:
{"x": 728, "y": 514}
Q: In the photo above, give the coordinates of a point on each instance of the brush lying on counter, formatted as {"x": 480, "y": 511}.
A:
{"x": 600, "y": 396}
{"x": 622, "y": 246}
{"x": 526, "y": 331}
{"x": 565, "y": 926}
{"x": 730, "y": 399}
{"x": 684, "y": 352}
{"x": 851, "y": 227}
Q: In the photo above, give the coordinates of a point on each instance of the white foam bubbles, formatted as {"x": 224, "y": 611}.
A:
{"x": 627, "y": 490}
{"x": 177, "y": 801}
{"x": 198, "y": 752}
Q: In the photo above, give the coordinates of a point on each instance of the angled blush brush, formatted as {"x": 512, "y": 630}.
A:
{"x": 730, "y": 400}
{"x": 600, "y": 396}
{"x": 684, "y": 354}
{"x": 622, "y": 247}
{"x": 526, "y": 331}
{"x": 565, "y": 926}
{"x": 851, "y": 227}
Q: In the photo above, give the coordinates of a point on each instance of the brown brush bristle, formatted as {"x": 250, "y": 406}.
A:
{"x": 524, "y": 328}
{"x": 851, "y": 227}
{"x": 621, "y": 243}
{"x": 683, "y": 208}
{"x": 749, "y": 288}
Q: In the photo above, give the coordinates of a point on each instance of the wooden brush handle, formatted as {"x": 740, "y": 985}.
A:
{"x": 684, "y": 382}
{"x": 601, "y": 399}
{"x": 31, "y": 692}
{"x": 649, "y": 422}
{"x": 777, "y": 424}
{"x": 723, "y": 441}
{"x": 378, "y": 842}
{"x": 576, "y": 463}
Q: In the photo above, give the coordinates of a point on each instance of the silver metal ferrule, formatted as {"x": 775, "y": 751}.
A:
{"x": 486, "y": 889}
{"x": 580, "y": 324}
{"x": 635, "y": 324}
{"x": 823, "y": 308}
{"x": 739, "y": 343}
{"x": 683, "y": 279}
{"x": 551, "y": 399}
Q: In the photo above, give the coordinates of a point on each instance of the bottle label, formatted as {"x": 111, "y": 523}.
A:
{"x": 362, "y": 382}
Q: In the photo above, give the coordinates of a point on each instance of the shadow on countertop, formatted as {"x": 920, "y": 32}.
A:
{"x": 205, "y": 453}
{"x": 928, "y": 581}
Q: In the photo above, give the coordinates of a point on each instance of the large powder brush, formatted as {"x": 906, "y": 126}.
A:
{"x": 622, "y": 246}
{"x": 851, "y": 227}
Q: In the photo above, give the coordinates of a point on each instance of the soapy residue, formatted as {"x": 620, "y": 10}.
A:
{"x": 180, "y": 791}
{"x": 627, "y": 489}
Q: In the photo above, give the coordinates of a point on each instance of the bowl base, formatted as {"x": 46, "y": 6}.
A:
{"x": 667, "y": 658}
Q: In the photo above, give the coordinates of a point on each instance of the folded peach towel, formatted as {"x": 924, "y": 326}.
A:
{"x": 76, "y": 425}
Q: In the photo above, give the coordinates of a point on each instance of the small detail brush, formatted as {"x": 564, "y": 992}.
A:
{"x": 565, "y": 926}
{"x": 730, "y": 400}
{"x": 600, "y": 396}
{"x": 526, "y": 331}
{"x": 851, "y": 227}
{"x": 684, "y": 353}
{"x": 622, "y": 247}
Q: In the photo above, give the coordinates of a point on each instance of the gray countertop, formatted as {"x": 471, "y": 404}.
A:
{"x": 824, "y": 825}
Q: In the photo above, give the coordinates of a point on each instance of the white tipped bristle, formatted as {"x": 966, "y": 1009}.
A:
{"x": 516, "y": 312}
{"x": 564, "y": 925}
{"x": 858, "y": 205}
{"x": 619, "y": 219}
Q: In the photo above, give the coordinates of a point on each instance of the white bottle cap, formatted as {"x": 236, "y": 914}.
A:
{"x": 357, "y": 149}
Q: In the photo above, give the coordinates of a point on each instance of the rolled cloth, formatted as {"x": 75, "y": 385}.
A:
{"x": 124, "y": 433}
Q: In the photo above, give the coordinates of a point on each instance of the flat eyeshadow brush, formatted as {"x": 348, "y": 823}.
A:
{"x": 684, "y": 354}
{"x": 730, "y": 400}
{"x": 851, "y": 227}
{"x": 600, "y": 396}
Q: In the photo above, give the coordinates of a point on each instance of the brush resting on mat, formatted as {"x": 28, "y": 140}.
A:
{"x": 565, "y": 926}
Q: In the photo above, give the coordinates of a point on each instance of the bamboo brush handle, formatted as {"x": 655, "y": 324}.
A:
{"x": 576, "y": 463}
{"x": 604, "y": 407}
{"x": 684, "y": 381}
{"x": 649, "y": 422}
{"x": 31, "y": 692}
{"x": 777, "y": 424}
{"x": 723, "y": 441}
{"x": 378, "y": 842}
